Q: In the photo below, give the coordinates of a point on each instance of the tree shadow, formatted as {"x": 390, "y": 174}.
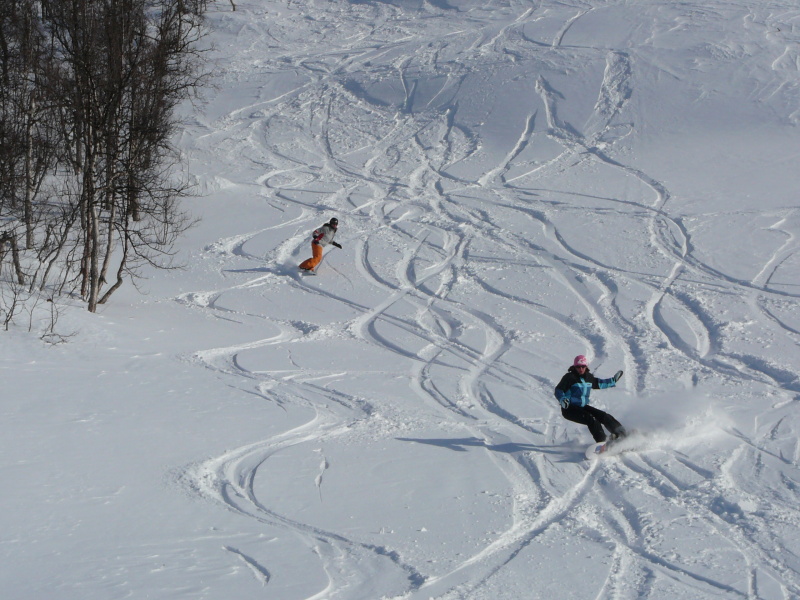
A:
{"x": 281, "y": 269}
{"x": 252, "y": 270}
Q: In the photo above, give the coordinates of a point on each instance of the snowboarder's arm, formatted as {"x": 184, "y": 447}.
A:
{"x": 599, "y": 384}
{"x": 562, "y": 391}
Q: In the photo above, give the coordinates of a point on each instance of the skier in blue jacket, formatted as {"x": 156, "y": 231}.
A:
{"x": 572, "y": 393}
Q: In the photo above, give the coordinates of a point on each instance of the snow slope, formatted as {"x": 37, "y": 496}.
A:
{"x": 517, "y": 182}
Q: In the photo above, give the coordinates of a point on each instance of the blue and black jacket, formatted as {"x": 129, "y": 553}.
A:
{"x": 574, "y": 389}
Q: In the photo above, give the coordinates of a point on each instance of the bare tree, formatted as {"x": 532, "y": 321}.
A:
{"x": 124, "y": 66}
{"x": 26, "y": 137}
{"x": 89, "y": 185}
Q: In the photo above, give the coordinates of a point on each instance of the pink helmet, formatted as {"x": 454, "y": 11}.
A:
{"x": 580, "y": 361}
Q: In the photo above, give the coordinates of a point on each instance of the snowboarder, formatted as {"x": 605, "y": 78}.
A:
{"x": 321, "y": 238}
{"x": 573, "y": 391}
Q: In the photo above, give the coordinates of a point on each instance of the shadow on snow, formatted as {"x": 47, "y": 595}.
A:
{"x": 463, "y": 444}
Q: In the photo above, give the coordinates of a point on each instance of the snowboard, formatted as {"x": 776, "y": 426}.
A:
{"x": 596, "y": 450}
{"x": 599, "y": 449}
{"x": 307, "y": 272}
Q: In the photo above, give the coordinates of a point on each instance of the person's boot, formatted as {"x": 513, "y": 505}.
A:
{"x": 619, "y": 433}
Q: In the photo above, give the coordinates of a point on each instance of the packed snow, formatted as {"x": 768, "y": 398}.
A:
{"x": 517, "y": 182}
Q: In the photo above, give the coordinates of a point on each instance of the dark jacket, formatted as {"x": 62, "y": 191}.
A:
{"x": 574, "y": 389}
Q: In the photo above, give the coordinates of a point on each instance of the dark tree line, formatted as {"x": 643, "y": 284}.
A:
{"x": 89, "y": 180}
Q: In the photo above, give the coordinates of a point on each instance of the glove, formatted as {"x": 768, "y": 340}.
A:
{"x": 617, "y": 376}
{"x": 338, "y": 245}
{"x": 564, "y": 402}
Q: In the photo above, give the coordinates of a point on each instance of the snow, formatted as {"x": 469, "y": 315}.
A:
{"x": 516, "y": 182}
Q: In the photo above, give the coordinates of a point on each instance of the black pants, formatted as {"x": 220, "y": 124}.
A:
{"x": 594, "y": 419}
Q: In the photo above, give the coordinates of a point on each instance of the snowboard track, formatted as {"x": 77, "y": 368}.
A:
{"x": 398, "y": 190}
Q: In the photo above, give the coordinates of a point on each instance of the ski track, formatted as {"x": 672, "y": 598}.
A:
{"x": 394, "y": 190}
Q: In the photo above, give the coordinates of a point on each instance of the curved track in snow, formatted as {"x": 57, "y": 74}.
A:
{"x": 475, "y": 269}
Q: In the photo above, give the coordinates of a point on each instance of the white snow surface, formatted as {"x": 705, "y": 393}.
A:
{"x": 517, "y": 182}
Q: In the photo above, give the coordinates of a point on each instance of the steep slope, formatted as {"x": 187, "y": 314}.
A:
{"x": 516, "y": 182}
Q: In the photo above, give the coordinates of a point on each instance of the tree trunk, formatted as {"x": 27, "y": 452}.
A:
{"x": 94, "y": 272}
{"x": 29, "y": 178}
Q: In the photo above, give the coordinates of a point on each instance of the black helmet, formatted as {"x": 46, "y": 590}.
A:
{"x": 334, "y": 222}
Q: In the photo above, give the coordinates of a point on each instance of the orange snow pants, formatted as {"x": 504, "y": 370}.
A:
{"x": 312, "y": 262}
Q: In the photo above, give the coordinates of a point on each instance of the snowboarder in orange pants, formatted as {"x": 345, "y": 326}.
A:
{"x": 321, "y": 238}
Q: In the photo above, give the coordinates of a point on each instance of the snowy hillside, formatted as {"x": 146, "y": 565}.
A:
{"x": 517, "y": 182}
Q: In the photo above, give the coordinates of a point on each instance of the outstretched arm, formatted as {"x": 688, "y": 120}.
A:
{"x": 599, "y": 384}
